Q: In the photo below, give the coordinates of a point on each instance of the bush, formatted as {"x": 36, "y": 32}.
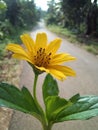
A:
{"x": 2, "y": 51}
{"x": 6, "y": 29}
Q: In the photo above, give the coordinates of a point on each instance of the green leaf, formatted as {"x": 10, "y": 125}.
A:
{"x": 82, "y": 109}
{"x": 21, "y": 100}
{"x": 74, "y": 98}
{"x": 2, "y": 5}
{"x": 50, "y": 87}
{"x": 54, "y": 105}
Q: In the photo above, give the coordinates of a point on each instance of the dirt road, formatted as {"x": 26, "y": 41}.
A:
{"x": 85, "y": 83}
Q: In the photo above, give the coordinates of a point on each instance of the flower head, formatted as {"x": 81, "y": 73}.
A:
{"x": 43, "y": 56}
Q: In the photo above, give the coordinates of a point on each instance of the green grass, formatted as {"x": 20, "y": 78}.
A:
{"x": 91, "y": 48}
{"x": 63, "y": 32}
{"x": 89, "y": 43}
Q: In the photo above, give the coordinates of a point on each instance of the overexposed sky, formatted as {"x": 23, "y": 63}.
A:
{"x": 42, "y": 4}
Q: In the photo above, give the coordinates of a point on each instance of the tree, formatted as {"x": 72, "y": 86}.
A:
{"x": 53, "y": 13}
{"x": 3, "y": 8}
{"x": 74, "y": 12}
{"x": 17, "y": 15}
{"x": 92, "y": 18}
{"x": 21, "y": 12}
{"x": 12, "y": 11}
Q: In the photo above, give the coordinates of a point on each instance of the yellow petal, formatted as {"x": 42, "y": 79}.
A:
{"x": 22, "y": 57}
{"x": 61, "y": 72}
{"x": 41, "y": 40}
{"x": 42, "y": 69}
{"x": 53, "y": 46}
{"x": 28, "y": 42}
{"x": 60, "y": 58}
{"x": 64, "y": 69}
{"x": 16, "y": 49}
{"x": 51, "y": 60}
{"x": 57, "y": 74}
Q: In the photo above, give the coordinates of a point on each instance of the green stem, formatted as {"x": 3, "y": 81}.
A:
{"x": 43, "y": 118}
{"x": 47, "y": 127}
{"x": 34, "y": 94}
{"x": 34, "y": 87}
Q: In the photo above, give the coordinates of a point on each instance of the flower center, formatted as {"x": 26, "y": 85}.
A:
{"x": 42, "y": 59}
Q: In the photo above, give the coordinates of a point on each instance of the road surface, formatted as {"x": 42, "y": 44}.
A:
{"x": 86, "y": 82}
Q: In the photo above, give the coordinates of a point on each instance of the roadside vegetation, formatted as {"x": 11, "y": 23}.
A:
{"x": 16, "y": 17}
{"x": 88, "y": 43}
{"x": 20, "y": 16}
{"x": 75, "y": 20}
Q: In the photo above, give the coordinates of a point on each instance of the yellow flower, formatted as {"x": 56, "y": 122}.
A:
{"x": 43, "y": 56}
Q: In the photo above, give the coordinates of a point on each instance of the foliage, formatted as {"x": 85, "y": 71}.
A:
{"x": 12, "y": 11}
{"x": 92, "y": 48}
{"x": 16, "y": 16}
{"x": 21, "y": 100}
{"x": 28, "y": 13}
{"x": 2, "y": 51}
{"x": 75, "y": 14}
{"x": 2, "y": 5}
{"x": 6, "y": 29}
{"x": 88, "y": 43}
{"x": 69, "y": 34}
{"x": 53, "y": 13}
{"x": 57, "y": 109}
{"x": 21, "y": 12}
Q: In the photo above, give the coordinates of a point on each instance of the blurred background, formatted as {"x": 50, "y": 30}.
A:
{"x": 75, "y": 20}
